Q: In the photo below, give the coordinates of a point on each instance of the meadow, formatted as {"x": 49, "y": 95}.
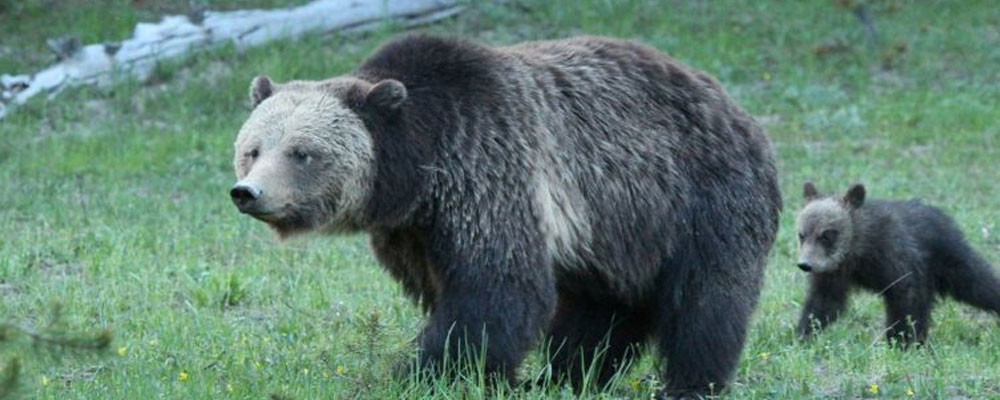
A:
{"x": 114, "y": 204}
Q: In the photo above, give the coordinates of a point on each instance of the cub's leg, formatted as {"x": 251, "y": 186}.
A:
{"x": 908, "y": 314}
{"x": 827, "y": 299}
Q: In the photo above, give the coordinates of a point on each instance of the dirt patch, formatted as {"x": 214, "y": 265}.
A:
{"x": 8, "y": 290}
{"x": 86, "y": 374}
{"x": 53, "y": 266}
{"x": 252, "y": 316}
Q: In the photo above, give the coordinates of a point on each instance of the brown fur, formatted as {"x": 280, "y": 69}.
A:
{"x": 592, "y": 188}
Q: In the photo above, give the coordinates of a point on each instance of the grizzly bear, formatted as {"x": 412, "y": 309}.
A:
{"x": 592, "y": 189}
{"x": 906, "y": 251}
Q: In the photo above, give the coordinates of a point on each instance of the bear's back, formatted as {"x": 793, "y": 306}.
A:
{"x": 616, "y": 154}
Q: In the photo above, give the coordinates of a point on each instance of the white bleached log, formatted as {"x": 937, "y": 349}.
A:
{"x": 176, "y": 36}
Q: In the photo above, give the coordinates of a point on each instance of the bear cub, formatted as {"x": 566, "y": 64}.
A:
{"x": 906, "y": 251}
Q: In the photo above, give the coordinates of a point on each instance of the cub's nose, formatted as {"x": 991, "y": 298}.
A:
{"x": 805, "y": 266}
{"x": 245, "y": 195}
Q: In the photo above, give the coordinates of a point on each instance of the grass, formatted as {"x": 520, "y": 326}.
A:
{"x": 114, "y": 204}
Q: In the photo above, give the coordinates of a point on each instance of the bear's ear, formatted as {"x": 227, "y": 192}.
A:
{"x": 855, "y": 196}
{"x": 260, "y": 89}
{"x": 809, "y": 192}
{"x": 388, "y": 95}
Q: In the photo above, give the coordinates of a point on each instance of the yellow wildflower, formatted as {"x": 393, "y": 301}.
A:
{"x": 873, "y": 389}
{"x": 122, "y": 351}
{"x": 183, "y": 376}
{"x": 341, "y": 369}
{"x": 45, "y": 380}
{"x": 229, "y": 387}
{"x": 910, "y": 393}
{"x": 765, "y": 356}
{"x": 305, "y": 371}
{"x": 635, "y": 384}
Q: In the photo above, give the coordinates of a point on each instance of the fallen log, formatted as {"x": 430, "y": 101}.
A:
{"x": 176, "y": 36}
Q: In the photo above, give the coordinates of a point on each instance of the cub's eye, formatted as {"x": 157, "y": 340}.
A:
{"x": 829, "y": 236}
{"x": 253, "y": 153}
{"x": 300, "y": 155}
{"x": 802, "y": 237}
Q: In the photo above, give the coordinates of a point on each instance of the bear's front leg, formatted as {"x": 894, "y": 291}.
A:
{"x": 497, "y": 296}
{"x": 827, "y": 299}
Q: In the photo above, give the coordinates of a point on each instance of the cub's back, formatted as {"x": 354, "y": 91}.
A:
{"x": 932, "y": 228}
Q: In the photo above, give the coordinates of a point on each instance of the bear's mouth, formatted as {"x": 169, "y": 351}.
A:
{"x": 289, "y": 219}
{"x": 271, "y": 216}
{"x": 288, "y": 223}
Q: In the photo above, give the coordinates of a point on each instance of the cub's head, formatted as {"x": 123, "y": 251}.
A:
{"x": 304, "y": 158}
{"x": 825, "y": 228}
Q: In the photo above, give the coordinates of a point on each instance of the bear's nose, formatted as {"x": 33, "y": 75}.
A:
{"x": 244, "y": 195}
{"x": 805, "y": 266}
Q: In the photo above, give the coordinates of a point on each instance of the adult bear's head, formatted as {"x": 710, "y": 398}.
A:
{"x": 304, "y": 158}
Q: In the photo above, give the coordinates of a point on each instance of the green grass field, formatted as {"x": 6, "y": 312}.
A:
{"x": 113, "y": 203}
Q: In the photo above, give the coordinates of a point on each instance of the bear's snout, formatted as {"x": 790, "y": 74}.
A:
{"x": 245, "y": 197}
{"x": 805, "y": 266}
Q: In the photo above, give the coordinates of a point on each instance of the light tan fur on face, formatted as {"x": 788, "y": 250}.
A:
{"x": 564, "y": 222}
{"x": 329, "y": 190}
{"x": 817, "y": 217}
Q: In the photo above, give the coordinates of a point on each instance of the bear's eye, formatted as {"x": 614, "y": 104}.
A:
{"x": 300, "y": 155}
{"x": 829, "y": 236}
{"x": 253, "y": 153}
{"x": 802, "y": 237}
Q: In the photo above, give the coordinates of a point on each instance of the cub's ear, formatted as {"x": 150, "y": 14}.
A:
{"x": 260, "y": 89}
{"x": 809, "y": 192}
{"x": 855, "y": 196}
{"x": 388, "y": 94}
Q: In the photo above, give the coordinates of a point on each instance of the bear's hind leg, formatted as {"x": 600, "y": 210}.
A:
{"x": 908, "y": 316}
{"x": 702, "y": 345}
{"x": 705, "y": 311}
{"x": 592, "y": 340}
